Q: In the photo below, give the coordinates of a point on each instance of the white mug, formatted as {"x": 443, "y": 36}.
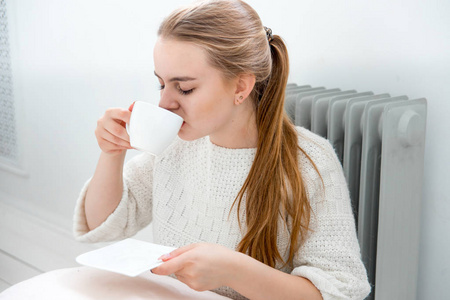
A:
{"x": 152, "y": 128}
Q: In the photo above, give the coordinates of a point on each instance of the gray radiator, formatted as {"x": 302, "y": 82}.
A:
{"x": 379, "y": 140}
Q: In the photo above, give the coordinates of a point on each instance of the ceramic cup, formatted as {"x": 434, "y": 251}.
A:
{"x": 152, "y": 128}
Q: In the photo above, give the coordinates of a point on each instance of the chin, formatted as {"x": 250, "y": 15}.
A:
{"x": 188, "y": 136}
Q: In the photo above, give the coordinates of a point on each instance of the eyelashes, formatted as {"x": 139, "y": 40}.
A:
{"x": 179, "y": 89}
{"x": 184, "y": 92}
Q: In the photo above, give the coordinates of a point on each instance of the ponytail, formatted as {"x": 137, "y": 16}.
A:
{"x": 274, "y": 188}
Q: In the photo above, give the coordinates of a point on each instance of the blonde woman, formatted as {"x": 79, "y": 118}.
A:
{"x": 257, "y": 208}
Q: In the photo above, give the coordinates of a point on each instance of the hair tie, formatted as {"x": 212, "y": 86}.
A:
{"x": 268, "y": 33}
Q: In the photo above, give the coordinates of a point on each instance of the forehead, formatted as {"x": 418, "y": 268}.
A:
{"x": 177, "y": 58}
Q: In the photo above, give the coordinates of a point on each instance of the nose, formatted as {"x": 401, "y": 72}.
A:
{"x": 168, "y": 101}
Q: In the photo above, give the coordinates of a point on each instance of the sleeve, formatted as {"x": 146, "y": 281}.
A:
{"x": 330, "y": 256}
{"x": 134, "y": 211}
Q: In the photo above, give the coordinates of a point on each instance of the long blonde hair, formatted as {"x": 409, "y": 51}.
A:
{"x": 236, "y": 43}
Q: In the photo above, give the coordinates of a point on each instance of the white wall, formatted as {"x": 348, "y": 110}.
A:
{"x": 72, "y": 59}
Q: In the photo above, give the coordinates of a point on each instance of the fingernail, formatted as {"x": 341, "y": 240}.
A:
{"x": 131, "y": 106}
{"x": 165, "y": 257}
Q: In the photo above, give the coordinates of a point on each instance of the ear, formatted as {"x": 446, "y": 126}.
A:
{"x": 244, "y": 86}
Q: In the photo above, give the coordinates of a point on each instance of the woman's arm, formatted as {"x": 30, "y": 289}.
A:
{"x": 134, "y": 208}
{"x": 209, "y": 266}
{"x": 105, "y": 189}
{"x": 256, "y": 280}
{"x": 116, "y": 202}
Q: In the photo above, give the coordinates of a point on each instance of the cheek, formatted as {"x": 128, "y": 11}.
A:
{"x": 205, "y": 115}
{"x": 211, "y": 107}
{"x": 217, "y": 112}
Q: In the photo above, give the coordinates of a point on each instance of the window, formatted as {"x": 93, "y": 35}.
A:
{"x": 8, "y": 138}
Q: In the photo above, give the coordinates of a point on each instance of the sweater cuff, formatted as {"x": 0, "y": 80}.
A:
{"x": 109, "y": 230}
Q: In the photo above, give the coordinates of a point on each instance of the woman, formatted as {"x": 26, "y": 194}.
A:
{"x": 260, "y": 209}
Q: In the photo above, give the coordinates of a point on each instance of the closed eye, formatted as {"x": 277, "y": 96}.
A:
{"x": 180, "y": 90}
{"x": 184, "y": 92}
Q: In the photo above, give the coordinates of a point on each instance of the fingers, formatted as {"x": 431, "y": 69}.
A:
{"x": 171, "y": 266}
{"x": 119, "y": 114}
{"x": 118, "y": 131}
{"x": 114, "y": 139}
{"x": 173, "y": 261}
{"x": 201, "y": 266}
{"x": 111, "y": 133}
{"x": 177, "y": 252}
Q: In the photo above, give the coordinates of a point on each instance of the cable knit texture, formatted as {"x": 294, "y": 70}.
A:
{"x": 187, "y": 193}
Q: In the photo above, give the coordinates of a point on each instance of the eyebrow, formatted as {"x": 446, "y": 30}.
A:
{"x": 181, "y": 78}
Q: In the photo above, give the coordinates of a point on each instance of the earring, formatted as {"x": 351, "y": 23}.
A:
{"x": 239, "y": 101}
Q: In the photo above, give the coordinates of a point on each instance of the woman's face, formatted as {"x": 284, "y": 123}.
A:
{"x": 194, "y": 90}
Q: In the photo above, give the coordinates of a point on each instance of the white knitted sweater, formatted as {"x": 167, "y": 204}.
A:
{"x": 187, "y": 193}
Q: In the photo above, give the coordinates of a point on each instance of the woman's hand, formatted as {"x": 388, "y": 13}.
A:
{"x": 209, "y": 266}
{"x": 111, "y": 134}
{"x": 201, "y": 266}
